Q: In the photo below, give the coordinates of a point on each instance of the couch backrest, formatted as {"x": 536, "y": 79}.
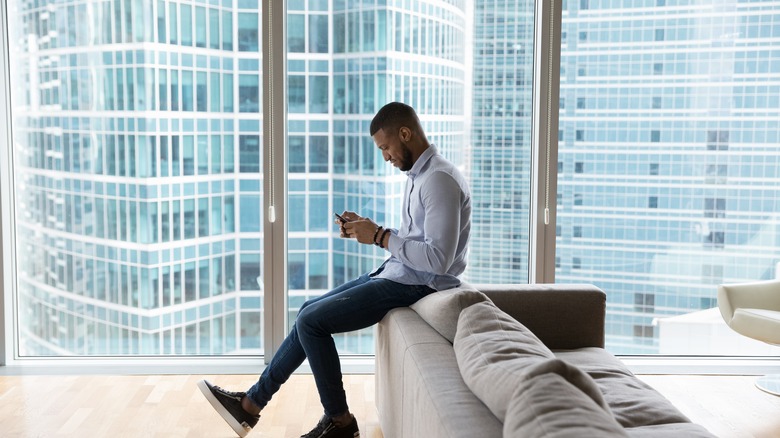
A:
{"x": 563, "y": 316}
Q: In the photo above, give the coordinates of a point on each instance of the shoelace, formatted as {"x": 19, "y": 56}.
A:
{"x": 323, "y": 426}
{"x": 237, "y": 394}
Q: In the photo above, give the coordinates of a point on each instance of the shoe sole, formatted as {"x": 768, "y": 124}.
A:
{"x": 229, "y": 419}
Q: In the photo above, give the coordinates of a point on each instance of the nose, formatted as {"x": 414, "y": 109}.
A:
{"x": 386, "y": 156}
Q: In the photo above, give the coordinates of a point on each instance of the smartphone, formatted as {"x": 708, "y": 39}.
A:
{"x": 341, "y": 218}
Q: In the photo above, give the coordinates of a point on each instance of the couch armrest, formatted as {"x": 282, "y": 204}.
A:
{"x": 563, "y": 316}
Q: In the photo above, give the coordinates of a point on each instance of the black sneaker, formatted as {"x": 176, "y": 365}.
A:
{"x": 228, "y": 405}
{"x": 327, "y": 429}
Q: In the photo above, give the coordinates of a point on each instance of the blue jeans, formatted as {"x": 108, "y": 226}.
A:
{"x": 357, "y": 304}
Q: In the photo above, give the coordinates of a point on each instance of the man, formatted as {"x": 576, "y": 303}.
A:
{"x": 427, "y": 253}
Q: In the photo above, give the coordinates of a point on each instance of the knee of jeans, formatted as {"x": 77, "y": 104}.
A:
{"x": 305, "y": 321}
{"x": 303, "y": 306}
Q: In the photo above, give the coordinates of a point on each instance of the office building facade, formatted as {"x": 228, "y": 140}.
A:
{"x": 138, "y": 161}
{"x": 139, "y": 150}
{"x": 668, "y": 178}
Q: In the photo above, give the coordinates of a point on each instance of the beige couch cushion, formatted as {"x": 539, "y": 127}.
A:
{"x": 546, "y": 405}
{"x": 441, "y": 309}
{"x": 632, "y": 401}
{"x": 496, "y": 354}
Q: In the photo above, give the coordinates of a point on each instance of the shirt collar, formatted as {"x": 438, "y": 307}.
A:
{"x": 422, "y": 161}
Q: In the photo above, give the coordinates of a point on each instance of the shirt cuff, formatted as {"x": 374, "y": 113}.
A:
{"x": 394, "y": 242}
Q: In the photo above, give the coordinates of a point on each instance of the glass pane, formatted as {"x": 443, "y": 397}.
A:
{"x": 668, "y": 181}
{"x": 112, "y": 208}
{"x": 500, "y": 153}
{"x": 334, "y": 165}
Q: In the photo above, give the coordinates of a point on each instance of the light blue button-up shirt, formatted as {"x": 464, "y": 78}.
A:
{"x": 430, "y": 246}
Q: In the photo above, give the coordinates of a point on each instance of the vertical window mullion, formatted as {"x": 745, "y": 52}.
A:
{"x": 273, "y": 46}
{"x": 547, "y": 51}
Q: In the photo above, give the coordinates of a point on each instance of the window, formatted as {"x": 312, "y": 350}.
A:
{"x": 654, "y": 168}
{"x": 318, "y": 154}
{"x": 169, "y": 157}
{"x": 715, "y": 239}
{"x": 227, "y": 30}
{"x": 295, "y": 40}
{"x": 717, "y": 173}
{"x": 186, "y": 25}
{"x": 644, "y": 331}
{"x": 173, "y": 22}
{"x": 249, "y": 153}
{"x": 717, "y": 140}
{"x": 201, "y": 92}
{"x": 247, "y": 32}
{"x": 249, "y": 93}
{"x": 644, "y": 302}
{"x": 200, "y": 26}
{"x": 318, "y": 33}
{"x": 136, "y": 293}
{"x": 714, "y": 207}
{"x": 712, "y": 274}
{"x": 661, "y": 261}
{"x": 337, "y": 79}
{"x": 214, "y": 35}
{"x": 296, "y": 145}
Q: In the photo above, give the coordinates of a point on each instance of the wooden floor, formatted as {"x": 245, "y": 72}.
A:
{"x": 172, "y": 406}
{"x": 728, "y": 406}
{"x": 162, "y": 406}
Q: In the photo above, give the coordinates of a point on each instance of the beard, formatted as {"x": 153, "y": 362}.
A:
{"x": 405, "y": 163}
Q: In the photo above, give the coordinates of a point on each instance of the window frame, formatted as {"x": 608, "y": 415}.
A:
{"x": 542, "y": 258}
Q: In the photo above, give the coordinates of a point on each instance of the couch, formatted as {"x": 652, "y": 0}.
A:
{"x": 487, "y": 361}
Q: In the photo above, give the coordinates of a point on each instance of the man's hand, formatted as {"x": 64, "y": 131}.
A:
{"x": 360, "y": 228}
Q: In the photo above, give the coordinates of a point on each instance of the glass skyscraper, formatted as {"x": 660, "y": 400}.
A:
{"x": 138, "y": 146}
{"x": 345, "y": 61}
{"x": 138, "y": 157}
{"x": 669, "y": 179}
{"x": 137, "y": 143}
{"x": 500, "y": 171}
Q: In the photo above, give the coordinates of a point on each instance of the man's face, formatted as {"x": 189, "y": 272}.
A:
{"x": 394, "y": 149}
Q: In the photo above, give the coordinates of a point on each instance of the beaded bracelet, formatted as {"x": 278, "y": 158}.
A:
{"x": 376, "y": 233}
{"x": 382, "y": 239}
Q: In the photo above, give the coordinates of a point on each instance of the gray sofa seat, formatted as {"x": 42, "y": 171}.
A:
{"x": 421, "y": 392}
{"x": 639, "y": 408}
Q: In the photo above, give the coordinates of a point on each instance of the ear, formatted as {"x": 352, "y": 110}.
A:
{"x": 404, "y": 133}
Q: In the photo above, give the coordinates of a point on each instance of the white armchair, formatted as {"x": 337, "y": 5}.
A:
{"x": 753, "y": 310}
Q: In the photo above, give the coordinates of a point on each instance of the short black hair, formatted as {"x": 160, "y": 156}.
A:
{"x": 393, "y": 116}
